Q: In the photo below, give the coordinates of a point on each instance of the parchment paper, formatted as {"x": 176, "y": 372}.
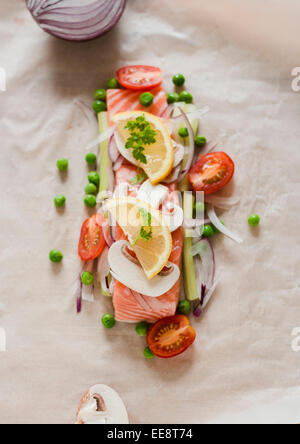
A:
{"x": 237, "y": 57}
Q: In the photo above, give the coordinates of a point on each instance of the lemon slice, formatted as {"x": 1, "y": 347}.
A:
{"x": 154, "y": 253}
{"x": 159, "y": 155}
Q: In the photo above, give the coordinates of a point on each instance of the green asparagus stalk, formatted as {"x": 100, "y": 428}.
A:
{"x": 189, "y": 272}
{"x": 190, "y": 282}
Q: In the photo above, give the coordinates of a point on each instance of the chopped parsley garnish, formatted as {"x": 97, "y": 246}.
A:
{"x": 139, "y": 178}
{"x": 146, "y": 230}
{"x": 141, "y": 134}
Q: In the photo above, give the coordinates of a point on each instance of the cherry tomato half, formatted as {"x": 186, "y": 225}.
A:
{"x": 139, "y": 77}
{"x": 171, "y": 336}
{"x": 211, "y": 172}
{"x": 91, "y": 242}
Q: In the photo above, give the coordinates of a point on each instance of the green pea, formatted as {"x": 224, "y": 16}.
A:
{"x": 87, "y": 278}
{"x": 148, "y": 353}
{"x": 200, "y": 140}
{"x": 99, "y": 106}
{"x": 94, "y": 178}
{"x": 100, "y": 94}
{"x": 208, "y": 231}
{"x": 172, "y": 98}
{"x": 184, "y": 307}
{"x": 186, "y": 97}
{"x": 62, "y": 164}
{"x": 142, "y": 328}
{"x": 200, "y": 207}
{"x": 91, "y": 189}
{"x": 55, "y": 256}
{"x": 59, "y": 200}
{"x": 254, "y": 220}
{"x": 90, "y": 200}
{"x": 146, "y": 99}
{"x": 91, "y": 158}
{"x": 113, "y": 83}
{"x": 108, "y": 321}
{"x": 179, "y": 80}
{"x": 183, "y": 132}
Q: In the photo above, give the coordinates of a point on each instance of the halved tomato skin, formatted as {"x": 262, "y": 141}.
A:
{"x": 211, "y": 172}
{"x": 139, "y": 77}
{"x": 91, "y": 242}
{"x": 171, "y": 336}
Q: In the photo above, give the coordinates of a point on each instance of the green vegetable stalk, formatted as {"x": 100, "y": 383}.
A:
{"x": 190, "y": 281}
{"x": 105, "y": 162}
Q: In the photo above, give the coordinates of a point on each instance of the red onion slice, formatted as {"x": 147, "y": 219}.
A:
{"x": 198, "y": 310}
{"x": 103, "y": 271}
{"x": 207, "y": 265}
{"x": 78, "y": 293}
{"x": 218, "y": 224}
{"x": 107, "y": 233}
{"x": 71, "y": 20}
{"x": 113, "y": 151}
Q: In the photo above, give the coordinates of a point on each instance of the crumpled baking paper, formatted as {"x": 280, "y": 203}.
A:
{"x": 245, "y": 364}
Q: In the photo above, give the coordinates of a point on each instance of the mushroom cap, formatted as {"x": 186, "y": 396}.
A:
{"x": 115, "y": 410}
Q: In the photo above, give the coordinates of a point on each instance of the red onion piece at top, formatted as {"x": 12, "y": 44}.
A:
{"x": 76, "y": 20}
{"x": 113, "y": 151}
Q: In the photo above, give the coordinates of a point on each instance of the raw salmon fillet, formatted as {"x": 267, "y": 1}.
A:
{"x": 134, "y": 307}
{"x": 121, "y": 100}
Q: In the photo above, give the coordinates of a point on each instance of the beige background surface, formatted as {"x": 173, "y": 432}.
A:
{"x": 238, "y": 59}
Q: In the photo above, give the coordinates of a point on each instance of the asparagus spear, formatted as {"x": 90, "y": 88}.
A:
{"x": 190, "y": 281}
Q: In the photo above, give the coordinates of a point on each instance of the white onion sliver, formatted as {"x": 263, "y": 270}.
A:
{"x": 118, "y": 163}
{"x": 210, "y": 293}
{"x": 88, "y": 290}
{"x": 195, "y": 114}
{"x": 101, "y": 138}
{"x": 218, "y": 224}
{"x": 103, "y": 271}
{"x": 222, "y": 202}
{"x": 173, "y": 177}
{"x": 179, "y": 152}
{"x": 207, "y": 266}
{"x": 212, "y": 144}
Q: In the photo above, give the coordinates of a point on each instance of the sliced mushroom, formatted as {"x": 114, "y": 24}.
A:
{"x": 152, "y": 194}
{"x": 173, "y": 215}
{"x": 102, "y": 405}
{"x": 130, "y": 273}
